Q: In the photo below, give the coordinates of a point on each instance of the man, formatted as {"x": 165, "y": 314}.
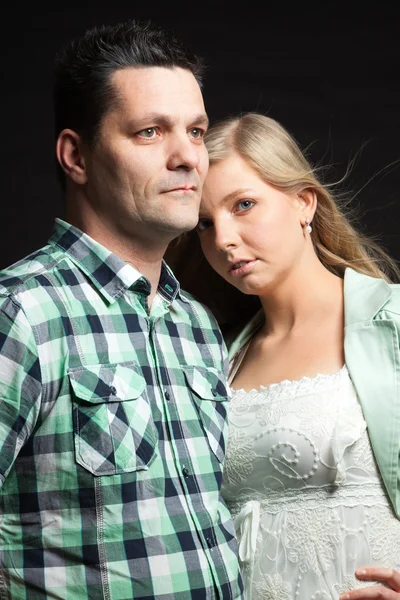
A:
{"x": 112, "y": 387}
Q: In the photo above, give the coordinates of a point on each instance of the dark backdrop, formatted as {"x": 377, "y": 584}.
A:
{"x": 331, "y": 78}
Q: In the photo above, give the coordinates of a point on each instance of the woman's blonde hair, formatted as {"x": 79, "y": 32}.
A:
{"x": 276, "y": 157}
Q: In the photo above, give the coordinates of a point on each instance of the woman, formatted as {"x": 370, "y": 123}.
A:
{"x": 312, "y": 467}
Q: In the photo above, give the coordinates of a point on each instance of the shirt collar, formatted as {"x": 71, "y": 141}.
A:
{"x": 111, "y": 275}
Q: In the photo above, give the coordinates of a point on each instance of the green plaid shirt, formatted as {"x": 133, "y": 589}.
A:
{"x": 112, "y": 433}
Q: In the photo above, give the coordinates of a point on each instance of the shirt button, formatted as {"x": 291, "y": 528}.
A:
{"x": 214, "y": 392}
{"x": 209, "y": 542}
{"x": 113, "y": 390}
{"x": 185, "y": 472}
{"x": 167, "y": 395}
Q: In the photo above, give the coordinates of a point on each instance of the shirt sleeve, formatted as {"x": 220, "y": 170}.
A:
{"x": 20, "y": 383}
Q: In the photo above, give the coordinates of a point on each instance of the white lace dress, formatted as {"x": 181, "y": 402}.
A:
{"x": 301, "y": 482}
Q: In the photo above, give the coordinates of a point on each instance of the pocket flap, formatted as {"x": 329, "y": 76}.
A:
{"x": 107, "y": 383}
{"x": 206, "y": 383}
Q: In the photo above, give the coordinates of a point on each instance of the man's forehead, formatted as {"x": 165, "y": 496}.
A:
{"x": 157, "y": 95}
{"x": 155, "y": 79}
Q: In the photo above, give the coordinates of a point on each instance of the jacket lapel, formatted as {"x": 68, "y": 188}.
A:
{"x": 372, "y": 357}
{"x": 235, "y": 346}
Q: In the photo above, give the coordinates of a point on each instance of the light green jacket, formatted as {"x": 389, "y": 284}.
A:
{"x": 372, "y": 355}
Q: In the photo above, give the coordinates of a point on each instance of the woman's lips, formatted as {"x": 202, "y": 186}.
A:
{"x": 242, "y": 267}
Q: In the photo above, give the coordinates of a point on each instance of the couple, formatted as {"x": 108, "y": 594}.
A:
{"x": 114, "y": 397}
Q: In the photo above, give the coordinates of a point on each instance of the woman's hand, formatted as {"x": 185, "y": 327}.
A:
{"x": 390, "y": 577}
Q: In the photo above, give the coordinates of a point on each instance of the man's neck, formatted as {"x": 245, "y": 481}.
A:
{"x": 145, "y": 258}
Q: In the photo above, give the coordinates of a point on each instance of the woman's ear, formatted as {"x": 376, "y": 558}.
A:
{"x": 307, "y": 202}
{"x": 70, "y": 156}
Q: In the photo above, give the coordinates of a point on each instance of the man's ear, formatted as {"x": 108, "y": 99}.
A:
{"x": 307, "y": 202}
{"x": 70, "y": 156}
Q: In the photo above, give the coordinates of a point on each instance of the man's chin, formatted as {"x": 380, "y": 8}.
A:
{"x": 179, "y": 226}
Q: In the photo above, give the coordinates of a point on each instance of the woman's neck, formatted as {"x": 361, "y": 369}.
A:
{"x": 303, "y": 299}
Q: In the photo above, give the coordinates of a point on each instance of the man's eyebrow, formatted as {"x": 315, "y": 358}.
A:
{"x": 159, "y": 119}
{"x": 202, "y": 119}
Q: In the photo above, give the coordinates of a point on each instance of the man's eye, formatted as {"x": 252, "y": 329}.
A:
{"x": 149, "y": 132}
{"x": 196, "y": 132}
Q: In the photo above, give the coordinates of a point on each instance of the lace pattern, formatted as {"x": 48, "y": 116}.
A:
{"x": 302, "y": 484}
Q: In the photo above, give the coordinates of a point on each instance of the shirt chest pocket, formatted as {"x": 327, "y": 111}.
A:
{"x": 210, "y": 396}
{"x": 113, "y": 426}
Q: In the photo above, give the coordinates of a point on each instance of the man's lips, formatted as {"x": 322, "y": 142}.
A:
{"x": 182, "y": 188}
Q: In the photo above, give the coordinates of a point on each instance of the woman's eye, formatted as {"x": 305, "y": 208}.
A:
{"x": 203, "y": 224}
{"x": 244, "y": 205}
{"x": 148, "y": 133}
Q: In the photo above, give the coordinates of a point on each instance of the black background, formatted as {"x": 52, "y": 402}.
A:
{"x": 331, "y": 77}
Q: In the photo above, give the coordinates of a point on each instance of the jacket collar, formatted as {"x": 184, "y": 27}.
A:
{"x": 364, "y": 296}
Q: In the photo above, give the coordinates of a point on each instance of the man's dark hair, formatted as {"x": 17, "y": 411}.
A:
{"x": 82, "y": 70}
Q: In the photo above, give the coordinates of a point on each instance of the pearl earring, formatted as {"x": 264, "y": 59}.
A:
{"x": 308, "y": 228}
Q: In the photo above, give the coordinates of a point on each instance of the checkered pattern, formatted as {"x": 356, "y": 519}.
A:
{"x": 112, "y": 433}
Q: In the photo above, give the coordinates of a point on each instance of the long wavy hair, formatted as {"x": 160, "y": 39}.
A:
{"x": 276, "y": 157}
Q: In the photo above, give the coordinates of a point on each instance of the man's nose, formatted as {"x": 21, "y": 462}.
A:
{"x": 184, "y": 153}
